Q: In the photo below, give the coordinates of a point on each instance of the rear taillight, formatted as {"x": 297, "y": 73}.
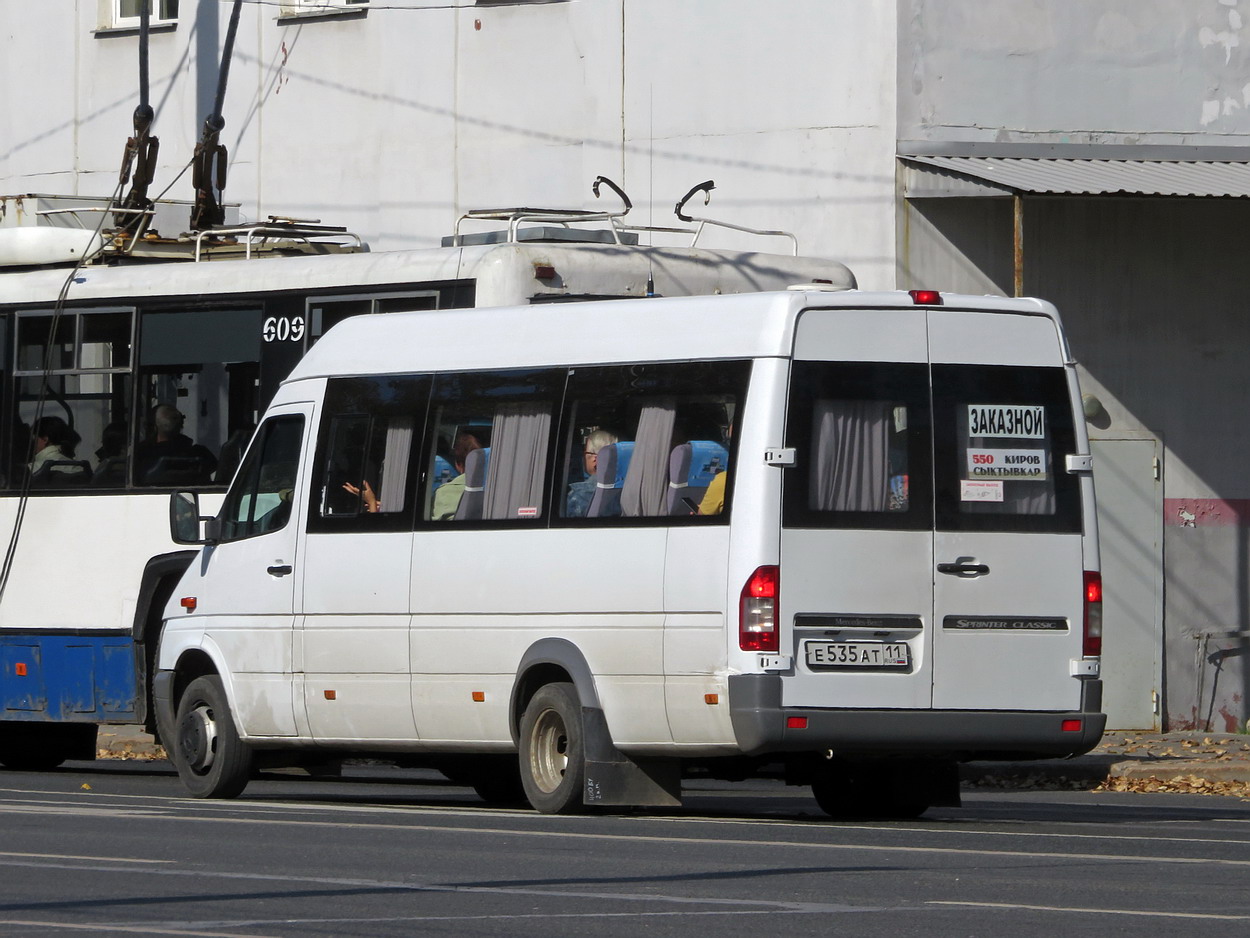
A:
{"x": 757, "y": 611}
{"x": 1092, "y": 644}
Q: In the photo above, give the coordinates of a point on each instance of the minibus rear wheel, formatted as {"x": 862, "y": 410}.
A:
{"x": 553, "y": 763}
{"x": 211, "y": 759}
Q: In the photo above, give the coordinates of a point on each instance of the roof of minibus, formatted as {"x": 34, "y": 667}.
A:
{"x": 662, "y": 329}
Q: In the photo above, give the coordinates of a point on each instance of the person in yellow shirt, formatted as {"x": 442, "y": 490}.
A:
{"x": 714, "y": 498}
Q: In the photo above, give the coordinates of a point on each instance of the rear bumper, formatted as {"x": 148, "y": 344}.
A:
{"x": 761, "y": 726}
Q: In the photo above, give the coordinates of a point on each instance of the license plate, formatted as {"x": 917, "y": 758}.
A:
{"x": 858, "y": 654}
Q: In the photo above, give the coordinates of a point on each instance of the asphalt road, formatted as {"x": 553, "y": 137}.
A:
{"x": 116, "y": 849}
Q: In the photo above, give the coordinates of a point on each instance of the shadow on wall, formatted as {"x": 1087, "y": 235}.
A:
{"x": 1156, "y": 319}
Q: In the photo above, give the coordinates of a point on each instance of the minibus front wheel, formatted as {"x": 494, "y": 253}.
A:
{"x": 211, "y": 759}
{"x": 552, "y": 745}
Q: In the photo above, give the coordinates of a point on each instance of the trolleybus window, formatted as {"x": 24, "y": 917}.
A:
{"x": 198, "y": 372}
{"x": 70, "y": 427}
{"x": 324, "y": 312}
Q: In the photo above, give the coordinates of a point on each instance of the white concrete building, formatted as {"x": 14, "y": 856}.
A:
{"x": 1097, "y": 154}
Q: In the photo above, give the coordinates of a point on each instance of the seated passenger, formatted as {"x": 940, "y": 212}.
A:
{"x": 713, "y": 502}
{"x": 580, "y": 493}
{"x": 365, "y": 493}
{"x": 447, "y": 498}
{"x": 169, "y": 456}
{"x": 53, "y": 442}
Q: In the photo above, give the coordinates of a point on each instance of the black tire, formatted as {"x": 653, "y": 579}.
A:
{"x": 41, "y": 747}
{"x": 856, "y": 792}
{"x": 552, "y": 751}
{"x": 496, "y": 779}
{"x": 211, "y": 759}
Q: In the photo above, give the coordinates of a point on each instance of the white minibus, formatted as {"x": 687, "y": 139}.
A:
{"x": 577, "y": 553}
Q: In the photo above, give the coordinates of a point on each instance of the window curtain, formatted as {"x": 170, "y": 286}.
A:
{"x": 851, "y": 455}
{"x": 395, "y": 464}
{"x": 518, "y": 456}
{"x": 644, "y": 493}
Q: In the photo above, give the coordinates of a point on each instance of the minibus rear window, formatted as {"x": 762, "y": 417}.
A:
{"x": 861, "y": 432}
{"x": 1000, "y": 446}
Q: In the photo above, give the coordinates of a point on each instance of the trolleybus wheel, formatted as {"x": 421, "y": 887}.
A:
{"x": 211, "y": 759}
{"x": 553, "y": 765}
{"x": 40, "y": 747}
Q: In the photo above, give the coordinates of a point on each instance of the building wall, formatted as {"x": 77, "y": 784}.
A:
{"x": 1146, "y": 285}
{"x": 1161, "y": 331}
{"x": 1111, "y": 72}
{"x": 395, "y": 121}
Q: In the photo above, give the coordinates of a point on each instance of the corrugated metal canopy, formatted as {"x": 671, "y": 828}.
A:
{"x": 1081, "y": 176}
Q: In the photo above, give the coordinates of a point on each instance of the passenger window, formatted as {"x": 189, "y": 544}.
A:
{"x": 861, "y": 434}
{"x": 70, "y": 429}
{"x": 650, "y": 441}
{"x": 490, "y": 445}
{"x": 260, "y": 498}
{"x": 1003, "y": 434}
{"x": 198, "y": 374}
{"x": 325, "y": 312}
{"x": 365, "y": 453}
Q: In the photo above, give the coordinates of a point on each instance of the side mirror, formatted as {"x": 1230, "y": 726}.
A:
{"x": 185, "y": 520}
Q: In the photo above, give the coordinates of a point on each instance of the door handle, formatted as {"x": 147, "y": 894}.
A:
{"x": 963, "y": 568}
{"x": 281, "y": 569}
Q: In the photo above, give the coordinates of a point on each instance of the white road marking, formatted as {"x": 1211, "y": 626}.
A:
{"x": 1145, "y": 913}
{"x": 74, "y": 856}
{"x": 678, "y": 840}
{"x": 104, "y": 928}
{"x": 723, "y": 842}
{"x": 454, "y": 889}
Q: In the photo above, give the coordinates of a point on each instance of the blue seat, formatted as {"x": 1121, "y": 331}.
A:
{"x": 691, "y": 468}
{"x": 444, "y": 472}
{"x": 610, "y": 469}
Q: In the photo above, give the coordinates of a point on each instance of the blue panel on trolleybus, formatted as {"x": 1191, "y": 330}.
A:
{"x": 90, "y": 678}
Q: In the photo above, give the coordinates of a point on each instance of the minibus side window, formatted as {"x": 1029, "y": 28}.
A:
{"x": 861, "y": 436}
{"x": 650, "y": 442}
{"x": 260, "y": 499}
{"x": 1002, "y": 435}
{"x": 489, "y": 451}
{"x": 366, "y": 454}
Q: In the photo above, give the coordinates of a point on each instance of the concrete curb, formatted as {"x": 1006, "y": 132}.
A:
{"x": 127, "y": 742}
{"x": 1104, "y": 770}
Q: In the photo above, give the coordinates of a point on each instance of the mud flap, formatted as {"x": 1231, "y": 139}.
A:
{"x": 613, "y": 778}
